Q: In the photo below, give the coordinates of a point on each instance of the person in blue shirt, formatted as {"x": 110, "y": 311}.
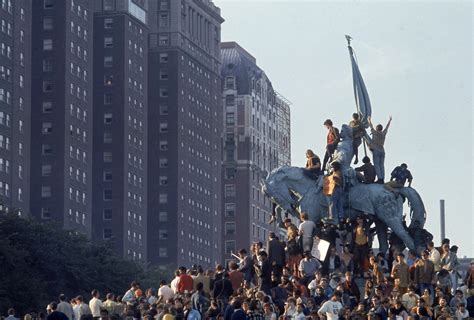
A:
{"x": 399, "y": 177}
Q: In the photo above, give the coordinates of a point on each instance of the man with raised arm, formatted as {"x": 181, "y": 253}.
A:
{"x": 376, "y": 145}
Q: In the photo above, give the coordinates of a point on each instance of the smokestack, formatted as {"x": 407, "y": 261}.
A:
{"x": 442, "y": 219}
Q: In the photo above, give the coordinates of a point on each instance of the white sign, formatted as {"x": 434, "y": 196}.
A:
{"x": 320, "y": 249}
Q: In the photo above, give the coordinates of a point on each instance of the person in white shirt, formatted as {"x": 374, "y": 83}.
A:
{"x": 306, "y": 230}
{"x": 174, "y": 282}
{"x": 151, "y": 296}
{"x": 95, "y": 304}
{"x": 331, "y": 308}
{"x": 65, "y": 307}
{"x": 435, "y": 257}
{"x": 299, "y": 312}
{"x": 165, "y": 293}
{"x": 81, "y": 308}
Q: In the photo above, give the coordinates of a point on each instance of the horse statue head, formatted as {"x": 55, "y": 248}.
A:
{"x": 281, "y": 186}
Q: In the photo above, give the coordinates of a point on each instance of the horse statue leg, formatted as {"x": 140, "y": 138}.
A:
{"x": 381, "y": 229}
{"x": 394, "y": 222}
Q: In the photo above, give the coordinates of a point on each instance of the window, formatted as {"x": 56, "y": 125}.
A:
{"x": 163, "y": 92}
{"x": 47, "y": 86}
{"x": 45, "y": 213}
{"x": 107, "y": 156}
{"x": 47, "y": 106}
{"x": 47, "y": 65}
{"x": 229, "y": 190}
{"x": 107, "y": 233}
{"x": 107, "y": 137}
{"x": 108, "y": 23}
{"x": 108, "y": 42}
{"x": 45, "y": 191}
{"x": 163, "y": 252}
{"x": 108, "y": 118}
{"x": 229, "y": 246}
{"x": 164, "y": 19}
{"x": 163, "y": 198}
{"x": 163, "y": 180}
{"x": 107, "y": 176}
{"x": 108, "y": 61}
{"x": 108, "y": 80}
{"x": 230, "y": 118}
{"x": 48, "y": 44}
{"x": 230, "y": 209}
{"x": 46, "y": 149}
{"x": 230, "y": 100}
{"x": 163, "y": 110}
{"x": 163, "y": 40}
{"x": 163, "y": 145}
{"x": 163, "y": 163}
{"x": 47, "y": 23}
{"x": 107, "y": 195}
{"x": 109, "y": 5}
{"x": 46, "y": 170}
{"x": 107, "y": 214}
{"x": 163, "y": 216}
{"x": 230, "y": 228}
{"x": 163, "y": 57}
{"x": 48, "y": 4}
{"x": 108, "y": 98}
{"x": 162, "y": 234}
{"x": 47, "y": 128}
{"x": 164, "y": 127}
{"x": 230, "y": 172}
{"x": 163, "y": 75}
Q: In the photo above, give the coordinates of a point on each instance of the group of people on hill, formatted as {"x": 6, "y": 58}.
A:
{"x": 367, "y": 173}
{"x": 281, "y": 280}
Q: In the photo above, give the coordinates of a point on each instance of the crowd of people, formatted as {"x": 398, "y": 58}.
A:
{"x": 282, "y": 280}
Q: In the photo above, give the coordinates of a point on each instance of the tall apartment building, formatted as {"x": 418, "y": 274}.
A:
{"x": 120, "y": 126}
{"x": 15, "y": 105}
{"x": 61, "y": 92}
{"x": 256, "y": 140}
{"x": 185, "y": 115}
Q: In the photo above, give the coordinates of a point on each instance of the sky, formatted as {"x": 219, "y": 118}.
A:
{"x": 416, "y": 60}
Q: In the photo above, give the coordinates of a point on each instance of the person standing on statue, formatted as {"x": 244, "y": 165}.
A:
{"x": 332, "y": 141}
{"x": 358, "y": 131}
{"x": 313, "y": 165}
{"x": 376, "y": 145}
{"x": 399, "y": 177}
{"x": 333, "y": 188}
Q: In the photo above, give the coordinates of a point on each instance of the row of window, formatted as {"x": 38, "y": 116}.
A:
{"x": 81, "y": 32}
{"x": 76, "y": 71}
{"x": 7, "y": 6}
{"x": 81, "y": 13}
{"x": 77, "y": 195}
{"x": 76, "y": 174}
{"x": 77, "y": 50}
{"x": 5, "y": 191}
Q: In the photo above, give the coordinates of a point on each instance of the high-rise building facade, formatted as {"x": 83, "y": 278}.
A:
{"x": 15, "y": 105}
{"x": 185, "y": 115}
{"x": 256, "y": 140}
{"x": 120, "y": 126}
{"x": 61, "y": 130}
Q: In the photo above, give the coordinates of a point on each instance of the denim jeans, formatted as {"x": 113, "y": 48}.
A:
{"x": 379, "y": 159}
{"x": 336, "y": 210}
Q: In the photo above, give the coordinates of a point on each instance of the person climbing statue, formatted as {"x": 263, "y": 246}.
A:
{"x": 313, "y": 165}
{"x": 366, "y": 172}
{"x": 399, "y": 177}
{"x": 358, "y": 131}
{"x": 332, "y": 141}
{"x": 376, "y": 146}
{"x": 333, "y": 188}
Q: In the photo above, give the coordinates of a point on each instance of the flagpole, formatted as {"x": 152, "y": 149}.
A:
{"x": 351, "y": 52}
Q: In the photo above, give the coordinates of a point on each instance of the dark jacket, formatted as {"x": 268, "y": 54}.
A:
{"x": 351, "y": 288}
{"x": 238, "y": 315}
{"x": 276, "y": 252}
{"x": 337, "y": 264}
{"x": 223, "y": 289}
{"x": 264, "y": 274}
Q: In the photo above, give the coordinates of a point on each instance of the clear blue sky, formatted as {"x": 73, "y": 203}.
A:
{"x": 416, "y": 59}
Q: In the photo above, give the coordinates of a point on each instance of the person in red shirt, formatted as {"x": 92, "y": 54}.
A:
{"x": 235, "y": 276}
{"x": 185, "y": 281}
{"x": 332, "y": 141}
